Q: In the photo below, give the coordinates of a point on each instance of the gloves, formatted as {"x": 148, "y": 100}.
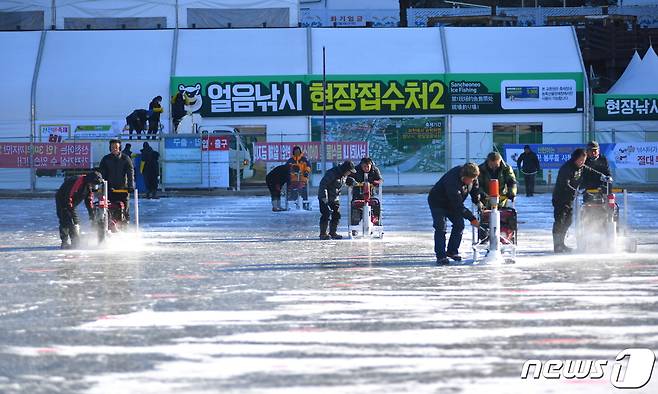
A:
{"x": 510, "y": 196}
{"x": 475, "y": 223}
{"x": 606, "y": 179}
{"x": 350, "y": 181}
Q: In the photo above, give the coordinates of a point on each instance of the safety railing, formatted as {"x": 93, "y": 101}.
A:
{"x": 405, "y": 153}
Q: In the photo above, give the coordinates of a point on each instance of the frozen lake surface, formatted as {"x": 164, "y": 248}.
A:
{"x": 221, "y": 295}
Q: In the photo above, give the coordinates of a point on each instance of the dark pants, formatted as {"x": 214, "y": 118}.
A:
{"x": 176, "y": 122}
{"x": 153, "y": 129}
{"x": 120, "y": 197}
{"x": 327, "y": 211}
{"x": 297, "y": 189}
{"x": 563, "y": 218}
{"x": 439, "y": 216}
{"x": 529, "y": 184}
{"x": 275, "y": 191}
{"x": 68, "y": 222}
{"x": 135, "y": 125}
{"x": 151, "y": 183}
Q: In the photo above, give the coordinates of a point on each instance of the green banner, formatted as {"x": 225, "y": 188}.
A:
{"x": 395, "y": 144}
{"x": 415, "y": 94}
{"x": 625, "y": 107}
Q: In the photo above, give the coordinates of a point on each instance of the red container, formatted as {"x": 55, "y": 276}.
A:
{"x": 493, "y": 188}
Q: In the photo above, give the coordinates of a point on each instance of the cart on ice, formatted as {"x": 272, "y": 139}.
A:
{"x": 111, "y": 217}
{"x": 601, "y": 226}
{"x": 365, "y": 213}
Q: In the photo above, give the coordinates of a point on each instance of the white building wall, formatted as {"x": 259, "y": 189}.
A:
{"x": 139, "y": 8}
{"x": 116, "y": 9}
{"x": 510, "y": 50}
{"x": 87, "y": 75}
{"x": 378, "y": 51}
{"x": 91, "y": 75}
{"x": 557, "y": 129}
{"x": 247, "y": 52}
{"x": 235, "y": 52}
{"x": 292, "y": 5}
{"x": 16, "y": 71}
{"x": 351, "y": 4}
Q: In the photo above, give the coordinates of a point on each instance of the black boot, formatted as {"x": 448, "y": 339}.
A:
{"x": 332, "y": 231}
{"x": 558, "y": 240}
{"x": 323, "y": 230}
{"x": 562, "y": 249}
{"x": 74, "y": 232}
{"x": 64, "y": 236}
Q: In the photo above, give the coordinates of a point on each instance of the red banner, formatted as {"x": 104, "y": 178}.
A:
{"x": 45, "y": 155}
{"x": 214, "y": 142}
{"x": 336, "y": 150}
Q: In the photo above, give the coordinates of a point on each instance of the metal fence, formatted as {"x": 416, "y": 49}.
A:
{"x": 407, "y": 152}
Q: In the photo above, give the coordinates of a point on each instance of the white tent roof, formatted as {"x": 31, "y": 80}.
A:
{"x": 639, "y": 77}
{"x": 630, "y": 70}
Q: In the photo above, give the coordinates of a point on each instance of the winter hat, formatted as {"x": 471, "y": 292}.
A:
{"x": 347, "y": 166}
{"x": 592, "y": 145}
{"x": 94, "y": 178}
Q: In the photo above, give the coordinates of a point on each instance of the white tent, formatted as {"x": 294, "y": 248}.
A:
{"x": 639, "y": 78}
{"x": 94, "y": 79}
{"x": 630, "y": 70}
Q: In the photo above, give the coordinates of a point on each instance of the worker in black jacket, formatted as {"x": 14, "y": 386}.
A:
{"x": 155, "y": 109}
{"x": 329, "y": 198}
{"x": 178, "y": 102}
{"x": 137, "y": 122}
{"x": 598, "y": 170}
{"x": 73, "y": 191}
{"x": 446, "y": 200}
{"x": 566, "y": 187}
{"x": 528, "y": 165}
{"x": 150, "y": 170}
{"x": 275, "y": 179}
{"x": 118, "y": 170}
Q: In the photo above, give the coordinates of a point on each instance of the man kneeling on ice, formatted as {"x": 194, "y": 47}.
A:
{"x": 69, "y": 195}
{"x": 446, "y": 200}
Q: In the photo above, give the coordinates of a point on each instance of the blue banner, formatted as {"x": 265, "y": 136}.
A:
{"x": 184, "y": 142}
{"x": 551, "y": 156}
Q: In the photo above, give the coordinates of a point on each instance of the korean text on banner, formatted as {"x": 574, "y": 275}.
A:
{"x": 45, "y": 155}
{"x": 336, "y": 150}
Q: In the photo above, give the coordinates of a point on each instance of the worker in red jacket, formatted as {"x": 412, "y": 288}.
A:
{"x": 73, "y": 191}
